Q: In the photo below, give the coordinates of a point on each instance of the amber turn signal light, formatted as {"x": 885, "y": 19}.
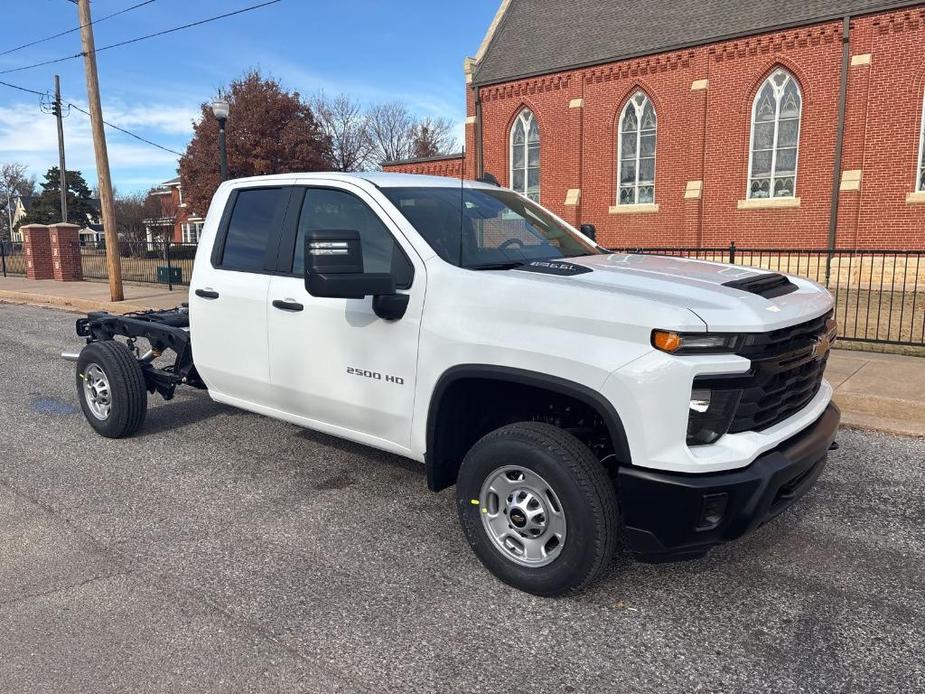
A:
{"x": 666, "y": 340}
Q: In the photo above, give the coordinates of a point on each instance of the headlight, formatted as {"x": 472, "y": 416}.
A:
{"x": 711, "y": 413}
{"x": 694, "y": 343}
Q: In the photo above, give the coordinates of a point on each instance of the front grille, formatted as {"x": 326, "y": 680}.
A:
{"x": 785, "y": 375}
{"x": 784, "y": 340}
{"x": 775, "y": 396}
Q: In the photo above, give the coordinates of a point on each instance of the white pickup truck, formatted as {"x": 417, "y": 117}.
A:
{"x": 574, "y": 396}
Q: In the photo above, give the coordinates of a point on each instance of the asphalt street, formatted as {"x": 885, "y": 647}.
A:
{"x": 223, "y": 551}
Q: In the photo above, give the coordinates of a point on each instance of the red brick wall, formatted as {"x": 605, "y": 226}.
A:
{"x": 65, "y": 252}
{"x": 38, "y": 252}
{"x": 171, "y": 208}
{"x": 451, "y": 166}
{"x": 889, "y": 139}
{"x": 704, "y": 135}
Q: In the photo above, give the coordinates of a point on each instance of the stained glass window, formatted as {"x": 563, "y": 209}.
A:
{"x": 775, "y": 137}
{"x": 525, "y": 155}
{"x": 921, "y": 169}
{"x": 636, "y": 151}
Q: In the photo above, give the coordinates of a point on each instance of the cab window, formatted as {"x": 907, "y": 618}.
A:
{"x": 255, "y": 223}
{"x": 329, "y": 209}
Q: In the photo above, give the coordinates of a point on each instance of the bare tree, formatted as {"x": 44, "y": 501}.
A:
{"x": 346, "y": 124}
{"x": 391, "y": 128}
{"x": 160, "y": 214}
{"x": 14, "y": 183}
{"x": 432, "y": 136}
{"x": 132, "y": 213}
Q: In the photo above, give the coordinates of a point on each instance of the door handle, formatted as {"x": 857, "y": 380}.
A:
{"x": 287, "y": 305}
{"x": 207, "y": 293}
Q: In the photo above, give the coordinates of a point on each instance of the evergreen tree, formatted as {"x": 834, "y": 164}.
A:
{"x": 46, "y": 208}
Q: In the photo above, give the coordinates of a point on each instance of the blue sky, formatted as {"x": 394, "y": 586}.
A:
{"x": 407, "y": 50}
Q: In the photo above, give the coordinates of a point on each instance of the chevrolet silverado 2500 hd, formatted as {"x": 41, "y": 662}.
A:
{"x": 572, "y": 395}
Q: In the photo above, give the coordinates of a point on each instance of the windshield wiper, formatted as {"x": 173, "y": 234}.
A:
{"x": 507, "y": 265}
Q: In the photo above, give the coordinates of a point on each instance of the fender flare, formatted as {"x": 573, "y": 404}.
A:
{"x": 438, "y": 477}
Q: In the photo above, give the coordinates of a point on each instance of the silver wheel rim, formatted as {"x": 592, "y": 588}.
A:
{"x": 523, "y": 516}
{"x": 97, "y": 391}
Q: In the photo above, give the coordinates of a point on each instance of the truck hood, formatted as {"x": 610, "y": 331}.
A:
{"x": 696, "y": 285}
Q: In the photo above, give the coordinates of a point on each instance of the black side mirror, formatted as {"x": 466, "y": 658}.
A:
{"x": 589, "y": 231}
{"x": 334, "y": 269}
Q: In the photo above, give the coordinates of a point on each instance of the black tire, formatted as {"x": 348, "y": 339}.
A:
{"x": 127, "y": 393}
{"x": 580, "y": 485}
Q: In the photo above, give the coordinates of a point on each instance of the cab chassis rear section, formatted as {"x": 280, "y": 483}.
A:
{"x": 165, "y": 331}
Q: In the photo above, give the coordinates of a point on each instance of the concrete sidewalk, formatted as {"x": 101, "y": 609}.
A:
{"x": 88, "y": 296}
{"x": 884, "y": 392}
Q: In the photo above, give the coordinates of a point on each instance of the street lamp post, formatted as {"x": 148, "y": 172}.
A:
{"x": 220, "y": 110}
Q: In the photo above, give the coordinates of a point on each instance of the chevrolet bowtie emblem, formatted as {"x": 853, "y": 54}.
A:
{"x": 821, "y": 345}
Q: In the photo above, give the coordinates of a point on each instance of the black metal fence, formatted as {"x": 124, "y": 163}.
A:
{"x": 163, "y": 262}
{"x": 12, "y": 259}
{"x": 879, "y": 294}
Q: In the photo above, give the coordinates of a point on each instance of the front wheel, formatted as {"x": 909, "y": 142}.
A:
{"x": 537, "y": 508}
{"x": 111, "y": 389}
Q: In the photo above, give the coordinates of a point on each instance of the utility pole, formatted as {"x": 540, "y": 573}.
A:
{"x": 113, "y": 261}
{"x": 61, "y": 166}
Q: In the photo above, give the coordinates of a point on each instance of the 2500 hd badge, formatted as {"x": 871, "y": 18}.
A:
{"x": 375, "y": 375}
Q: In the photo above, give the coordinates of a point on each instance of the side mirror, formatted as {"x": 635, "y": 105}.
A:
{"x": 589, "y": 230}
{"x": 334, "y": 269}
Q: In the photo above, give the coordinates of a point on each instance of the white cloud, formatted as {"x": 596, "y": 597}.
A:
{"x": 30, "y": 137}
{"x": 164, "y": 118}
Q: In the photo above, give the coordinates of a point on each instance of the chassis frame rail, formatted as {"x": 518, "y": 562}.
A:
{"x": 164, "y": 330}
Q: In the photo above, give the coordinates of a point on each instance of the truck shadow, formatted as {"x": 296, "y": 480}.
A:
{"x": 369, "y": 455}
{"x": 183, "y": 411}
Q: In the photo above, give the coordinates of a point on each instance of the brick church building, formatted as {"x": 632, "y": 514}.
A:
{"x": 795, "y": 123}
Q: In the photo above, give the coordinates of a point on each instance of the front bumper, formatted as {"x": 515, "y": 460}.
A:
{"x": 669, "y": 516}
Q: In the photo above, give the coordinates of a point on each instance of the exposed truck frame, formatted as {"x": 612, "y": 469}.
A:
{"x": 164, "y": 330}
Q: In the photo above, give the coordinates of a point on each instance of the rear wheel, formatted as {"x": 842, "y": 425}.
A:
{"x": 111, "y": 389}
{"x": 537, "y": 508}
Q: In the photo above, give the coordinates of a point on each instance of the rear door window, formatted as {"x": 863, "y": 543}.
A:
{"x": 253, "y": 228}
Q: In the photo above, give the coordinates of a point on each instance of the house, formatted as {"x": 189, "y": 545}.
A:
{"x": 21, "y": 205}
{"x": 175, "y": 222}
{"x": 700, "y": 122}
{"x": 92, "y": 235}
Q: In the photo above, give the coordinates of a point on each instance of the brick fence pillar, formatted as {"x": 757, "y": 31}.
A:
{"x": 65, "y": 252}
{"x": 38, "y": 252}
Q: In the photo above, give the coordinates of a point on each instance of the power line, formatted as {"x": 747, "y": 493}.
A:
{"x": 22, "y": 89}
{"x": 142, "y": 38}
{"x": 128, "y": 132}
{"x": 46, "y": 62}
{"x": 187, "y": 26}
{"x": 86, "y": 113}
{"x": 71, "y": 31}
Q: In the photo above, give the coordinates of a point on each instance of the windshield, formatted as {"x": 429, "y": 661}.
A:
{"x": 496, "y": 229}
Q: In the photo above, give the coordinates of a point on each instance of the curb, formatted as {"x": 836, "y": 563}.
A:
{"x": 893, "y": 420}
{"x": 69, "y": 303}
